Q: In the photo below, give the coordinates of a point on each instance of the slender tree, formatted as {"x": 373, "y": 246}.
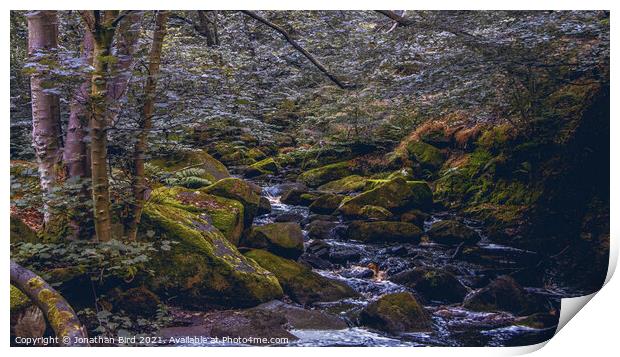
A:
{"x": 148, "y": 110}
{"x": 46, "y": 135}
{"x": 102, "y": 25}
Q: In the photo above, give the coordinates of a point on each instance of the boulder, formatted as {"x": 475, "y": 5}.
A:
{"x": 324, "y": 174}
{"x": 347, "y": 184}
{"x": 299, "y": 282}
{"x": 283, "y": 239}
{"x": 395, "y": 195}
{"x": 396, "y": 313}
{"x": 303, "y": 319}
{"x": 264, "y": 206}
{"x": 263, "y": 167}
{"x": 326, "y": 203}
{"x": 502, "y": 294}
{"x": 320, "y": 229}
{"x": 452, "y": 233}
{"x": 238, "y": 190}
{"x": 415, "y": 216}
{"x": 177, "y": 160}
{"x": 428, "y": 156}
{"x": 224, "y": 213}
{"x": 383, "y": 231}
{"x": 201, "y": 267}
{"x": 291, "y": 194}
{"x": 374, "y": 213}
{"x": 432, "y": 284}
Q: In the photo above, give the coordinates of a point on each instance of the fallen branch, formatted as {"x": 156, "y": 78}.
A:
{"x": 58, "y": 313}
{"x": 298, "y": 47}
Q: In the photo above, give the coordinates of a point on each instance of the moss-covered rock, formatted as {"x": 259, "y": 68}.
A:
{"x": 302, "y": 284}
{"x": 324, "y": 174}
{"x": 396, "y": 313}
{"x": 502, "y": 294}
{"x": 432, "y": 284}
{"x": 415, "y": 216}
{"x": 375, "y": 213}
{"x": 213, "y": 169}
{"x": 202, "y": 266}
{"x": 326, "y": 203}
{"x": 19, "y": 300}
{"x": 224, "y": 213}
{"x": 452, "y": 233}
{"x": 256, "y": 154}
{"x": 238, "y": 190}
{"x": 395, "y": 195}
{"x": 428, "y": 156}
{"x": 283, "y": 239}
{"x": 263, "y": 167}
{"x": 264, "y": 206}
{"x": 347, "y": 184}
{"x": 384, "y": 231}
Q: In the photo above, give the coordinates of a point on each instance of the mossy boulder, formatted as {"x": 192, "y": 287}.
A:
{"x": 432, "y": 284}
{"x": 202, "y": 267}
{"x": 347, "y": 184}
{"x": 324, "y": 174}
{"x": 283, "y": 239}
{"x": 320, "y": 229}
{"x": 20, "y": 232}
{"x": 19, "y": 300}
{"x": 263, "y": 167}
{"x": 239, "y": 190}
{"x": 291, "y": 194}
{"x": 415, "y": 216}
{"x": 302, "y": 284}
{"x": 376, "y": 213}
{"x": 502, "y": 294}
{"x": 428, "y": 156}
{"x": 384, "y": 231}
{"x": 256, "y": 154}
{"x": 396, "y": 313}
{"x": 396, "y": 195}
{"x": 224, "y": 213}
{"x": 177, "y": 160}
{"x": 264, "y": 206}
{"x": 452, "y": 233}
{"x": 326, "y": 203}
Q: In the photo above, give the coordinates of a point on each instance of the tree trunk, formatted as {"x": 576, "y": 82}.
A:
{"x": 103, "y": 35}
{"x": 43, "y": 36}
{"x": 56, "y": 309}
{"x": 207, "y": 26}
{"x": 139, "y": 181}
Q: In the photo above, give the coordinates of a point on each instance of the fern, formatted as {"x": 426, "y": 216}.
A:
{"x": 189, "y": 178}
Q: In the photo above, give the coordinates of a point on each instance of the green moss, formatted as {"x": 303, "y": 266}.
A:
{"x": 20, "y": 232}
{"x": 238, "y": 190}
{"x": 495, "y": 138}
{"x": 19, "y": 300}
{"x": 263, "y": 167}
{"x": 321, "y": 175}
{"x": 203, "y": 266}
{"x": 347, "y": 184}
{"x": 256, "y": 154}
{"x": 427, "y": 155}
{"x": 178, "y": 160}
{"x": 300, "y": 283}
{"x": 396, "y": 313}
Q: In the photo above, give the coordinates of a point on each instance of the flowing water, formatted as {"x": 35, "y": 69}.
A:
{"x": 453, "y": 325}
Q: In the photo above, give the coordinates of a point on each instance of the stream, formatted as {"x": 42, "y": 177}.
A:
{"x": 454, "y": 325}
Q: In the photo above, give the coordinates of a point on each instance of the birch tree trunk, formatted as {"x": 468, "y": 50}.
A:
{"x": 43, "y": 36}
{"x": 103, "y": 29}
{"x": 148, "y": 110}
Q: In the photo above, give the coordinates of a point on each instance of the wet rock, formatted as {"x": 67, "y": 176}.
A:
{"x": 320, "y": 229}
{"x": 502, "y": 294}
{"x": 394, "y": 195}
{"x": 396, "y": 313}
{"x": 302, "y": 284}
{"x": 238, "y": 190}
{"x": 347, "y": 184}
{"x": 415, "y": 216}
{"x": 326, "y": 203}
{"x": 314, "y": 262}
{"x": 343, "y": 254}
{"x": 432, "y": 284}
{"x": 319, "y": 217}
{"x": 264, "y": 206}
{"x": 291, "y": 195}
{"x": 452, "y": 233}
{"x": 384, "y": 231}
{"x": 319, "y": 249}
{"x": 324, "y": 174}
{"x": 284, "y": 239}
{"x": 358, "y": 273}
{"x": 303, "y": 319}
{"x": 288, "y": 217}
